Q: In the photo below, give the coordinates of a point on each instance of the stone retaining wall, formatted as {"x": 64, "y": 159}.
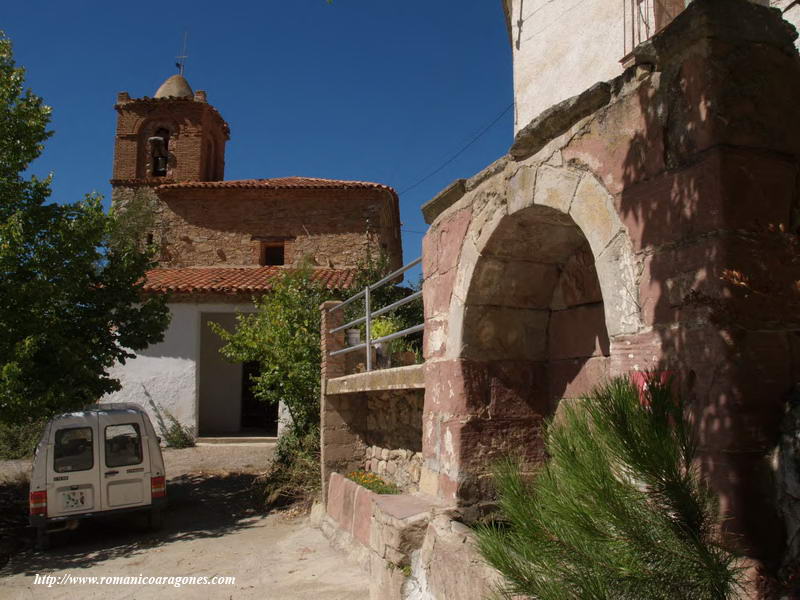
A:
{"x": 411, "y": 547}
{"x": 401, "y": 467}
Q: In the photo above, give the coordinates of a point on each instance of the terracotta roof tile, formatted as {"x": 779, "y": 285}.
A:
{"x": 279, "y": 183}
{"x": 233, "y": 280}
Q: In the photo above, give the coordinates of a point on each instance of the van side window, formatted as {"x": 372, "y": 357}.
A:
{"x": 123, "y": 445}
{"x": 73, "y": 450}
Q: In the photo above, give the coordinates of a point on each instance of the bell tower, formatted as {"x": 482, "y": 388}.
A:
{"x": 174, "y": 136}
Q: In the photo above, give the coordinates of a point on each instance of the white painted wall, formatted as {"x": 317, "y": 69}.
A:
{"x": 791, "y": 13}
{"x": 563, "y": 47}
{"x": 165, "y": 376}
{"x": 551, "y": 62}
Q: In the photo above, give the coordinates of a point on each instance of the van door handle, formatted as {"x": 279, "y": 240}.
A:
{"x": 111, "y": 473}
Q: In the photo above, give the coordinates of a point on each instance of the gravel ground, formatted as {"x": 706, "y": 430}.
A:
{"x": 214, "y": 526}
{"x": 212, "y": 458}
{"x": 216, "y": 458}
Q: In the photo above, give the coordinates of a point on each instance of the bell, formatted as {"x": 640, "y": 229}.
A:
{"x": 160, "y": 167}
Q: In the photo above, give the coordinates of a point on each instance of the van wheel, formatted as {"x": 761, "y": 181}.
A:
{"x": 156, "y": 519}
{"x": 42, "y": 539}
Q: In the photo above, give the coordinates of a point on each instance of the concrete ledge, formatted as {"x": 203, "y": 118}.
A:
{"x": 401, "y": 378}
{"x": 233, "y": 440}
{"x": 350, "y": 507}
{"x": 404, "y": 506}
{"x": 443, "y": 200}
{"x": 557, "y": 119}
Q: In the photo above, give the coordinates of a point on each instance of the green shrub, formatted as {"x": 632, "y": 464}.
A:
{"x": 618, "y": 511}
{"x": 283, "y": 336}
{"x": 294, "y": 473}
{"x": 373, "y": 483}
{"x": 19, "y": 440}
{"x": 177, "y": 435}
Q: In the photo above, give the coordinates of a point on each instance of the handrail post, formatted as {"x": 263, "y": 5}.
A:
{"x": 368, "y": 328}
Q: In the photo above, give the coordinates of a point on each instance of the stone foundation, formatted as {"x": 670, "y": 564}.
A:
{"x": 410, "y": 545}
{"x": 401, "y": 467}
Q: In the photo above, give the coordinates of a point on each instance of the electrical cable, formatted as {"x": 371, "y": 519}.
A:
{"x": 460, "y": 152}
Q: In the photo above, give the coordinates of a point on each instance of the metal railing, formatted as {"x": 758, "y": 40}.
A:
{"x": 369, "y": 315}
{"x": 645, "y": 18}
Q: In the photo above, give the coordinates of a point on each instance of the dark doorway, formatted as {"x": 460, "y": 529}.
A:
{"x": 257, "y": 417}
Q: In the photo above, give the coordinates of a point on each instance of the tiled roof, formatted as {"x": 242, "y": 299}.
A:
{"x": 234, "y": 280}
{"x": 279, "y": 183}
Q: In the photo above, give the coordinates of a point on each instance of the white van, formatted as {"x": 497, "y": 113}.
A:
{"x": 105, "y": 460}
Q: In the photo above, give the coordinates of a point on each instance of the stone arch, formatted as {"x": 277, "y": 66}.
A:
{"x": 545, "y": 282}
{"x": 570, "y": 194}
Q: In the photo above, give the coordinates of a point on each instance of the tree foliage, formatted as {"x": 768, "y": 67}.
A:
{"x": 283, "y": 336}
{"x": 70, "y": 304}
{"x": 372, "y": 270}
{"x": 617, "y": 512}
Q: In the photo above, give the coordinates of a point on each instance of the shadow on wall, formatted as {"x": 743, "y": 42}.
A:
{"x": 155, "y": 410}
{"x": 707, "y": 193}
{"x": 700, "y": 158}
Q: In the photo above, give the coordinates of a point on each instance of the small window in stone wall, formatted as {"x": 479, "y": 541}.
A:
{"x": 272, "y": 254}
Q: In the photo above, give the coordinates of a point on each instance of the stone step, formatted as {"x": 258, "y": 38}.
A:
{"x": 235, "y": 440}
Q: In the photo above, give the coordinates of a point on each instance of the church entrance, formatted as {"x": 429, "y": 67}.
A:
{"x": 258, "y": 418}
{"x": 226, "y": 403}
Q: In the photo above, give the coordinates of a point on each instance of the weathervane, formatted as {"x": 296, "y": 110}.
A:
{"x": 183, "y": 56}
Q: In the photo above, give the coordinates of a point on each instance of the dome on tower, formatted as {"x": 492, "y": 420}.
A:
{"x": 175, "y": 87}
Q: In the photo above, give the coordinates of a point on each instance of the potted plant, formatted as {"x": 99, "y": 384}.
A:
{"x": 353, "y": 336}
{"x": 380, "y": 327}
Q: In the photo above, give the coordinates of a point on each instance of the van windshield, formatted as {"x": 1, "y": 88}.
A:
{"x": 123, "y": 445}
{"x": 73, "y": 450}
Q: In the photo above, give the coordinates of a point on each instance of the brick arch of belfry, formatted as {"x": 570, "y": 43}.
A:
{"x": 529, "y": 279}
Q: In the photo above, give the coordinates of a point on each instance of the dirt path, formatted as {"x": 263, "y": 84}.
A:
{"x": 213, "y": 527}
{"x": 200, "y": 459}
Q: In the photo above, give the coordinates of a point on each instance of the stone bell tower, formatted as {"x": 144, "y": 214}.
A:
{"x": 175, "y": 136}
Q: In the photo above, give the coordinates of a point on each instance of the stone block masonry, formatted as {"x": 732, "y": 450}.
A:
{"x": 228, "y": 227}
{"x": 401, "y": 467}
{"x": 600, "y": 246}
{"x": 201, "y": 220}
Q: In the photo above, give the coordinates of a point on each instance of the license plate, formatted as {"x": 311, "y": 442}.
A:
{"x": 74, "y": 499}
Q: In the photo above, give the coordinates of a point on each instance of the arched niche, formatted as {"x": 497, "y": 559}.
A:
{"x": 545, "y": 282}
{"x": 156, "y": 159}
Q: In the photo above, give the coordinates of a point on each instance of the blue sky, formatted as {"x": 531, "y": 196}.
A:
{"x": 376, "y": 90}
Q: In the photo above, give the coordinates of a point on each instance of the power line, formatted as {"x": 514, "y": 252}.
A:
{"x": 460, "y": 152}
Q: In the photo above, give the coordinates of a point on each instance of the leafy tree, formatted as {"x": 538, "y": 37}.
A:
{"x": 617, "y": 512}
{"x": 372, "y": 270}
{"x": 283, "y": 335}
{"x": 70, "y": 303}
